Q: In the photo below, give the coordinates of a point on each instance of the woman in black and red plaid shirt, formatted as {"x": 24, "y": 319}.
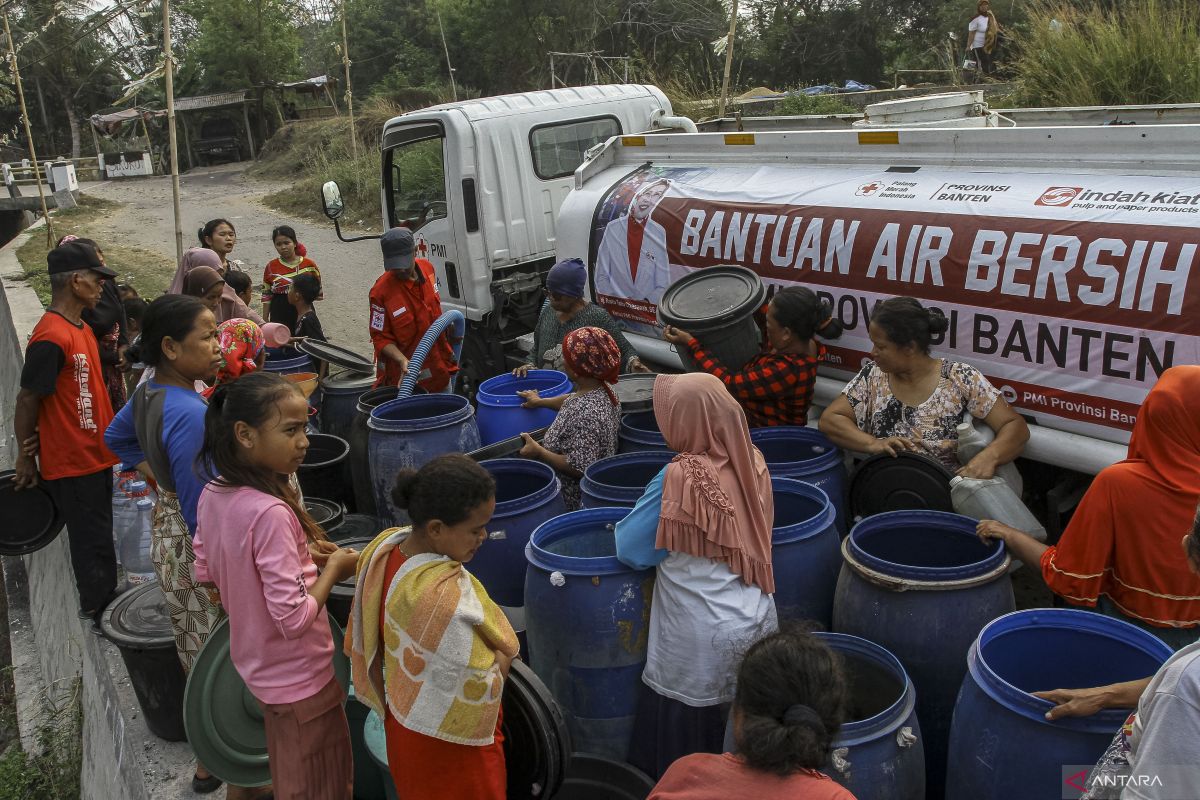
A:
{"x": 776, "y": 386}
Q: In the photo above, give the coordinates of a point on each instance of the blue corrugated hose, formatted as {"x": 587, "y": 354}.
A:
{"x": 452, "y": 317}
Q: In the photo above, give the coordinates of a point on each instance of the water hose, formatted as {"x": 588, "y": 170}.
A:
{"x": 453, "y": 317}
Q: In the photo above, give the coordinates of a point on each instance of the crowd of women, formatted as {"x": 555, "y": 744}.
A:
{"x": 431, "y": 652}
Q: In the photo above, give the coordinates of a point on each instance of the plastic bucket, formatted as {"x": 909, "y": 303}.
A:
{"x": 922, "y": 585}
{"x": 591, "y": 777}
{"x": 139, "y": 624}
{"x": 326, "y": 513}
{"x": 527, "y": 494}
{"x": 621, "y": 480}
{"x": 717, "y": 306}
{"x": 375, "y": 739}
{"x": 500, "y": 413}
{"x": 640, "y": 432}
{"x": 408, "y": 432}
{"x": 588, "y": 618}
{"x": 804, "y": 552}
{"x": 807, "y": 455}
{"x": 341, "y": 595}
{"x": 359, "y": 438}
{"x": 878, "y": 753}
{"x": 322, "y": 472}
{"x": 1038, "y": 650}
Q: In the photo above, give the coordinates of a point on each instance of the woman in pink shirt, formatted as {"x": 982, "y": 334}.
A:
{"x": 253, "y": 540}
{"x": 787, "y": 710}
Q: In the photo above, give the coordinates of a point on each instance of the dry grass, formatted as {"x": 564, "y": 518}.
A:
{"x": 311, "y": 153}
{"x": 147, "y": 271}
{"x": 1137, "y": 51}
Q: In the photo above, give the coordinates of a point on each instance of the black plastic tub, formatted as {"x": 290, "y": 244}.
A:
{"x": 139, "y": 624}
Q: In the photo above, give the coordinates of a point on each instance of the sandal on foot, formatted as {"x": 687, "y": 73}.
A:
{"x": 205, "y": 785}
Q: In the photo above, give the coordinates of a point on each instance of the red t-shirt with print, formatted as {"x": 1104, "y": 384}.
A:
{"x": 62, "y": 366}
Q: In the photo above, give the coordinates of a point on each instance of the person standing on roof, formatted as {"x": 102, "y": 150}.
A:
{"x": 405, "y": 301}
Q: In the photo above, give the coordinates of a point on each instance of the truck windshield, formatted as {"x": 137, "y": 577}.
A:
{"x": 416, "y": 178}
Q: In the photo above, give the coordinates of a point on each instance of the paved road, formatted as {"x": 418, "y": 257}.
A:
{"x": 146, "y": 220}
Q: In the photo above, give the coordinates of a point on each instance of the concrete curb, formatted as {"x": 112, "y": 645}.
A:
{"x": 52, "y": 649}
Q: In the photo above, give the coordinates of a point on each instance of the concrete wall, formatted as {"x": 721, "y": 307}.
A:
{"x": 53, "y": 651}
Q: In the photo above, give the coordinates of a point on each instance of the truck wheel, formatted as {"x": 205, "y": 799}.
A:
{"x": 476, "y": 365}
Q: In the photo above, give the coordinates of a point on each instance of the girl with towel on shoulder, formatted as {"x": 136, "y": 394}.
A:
{"x": 429, "y": 650}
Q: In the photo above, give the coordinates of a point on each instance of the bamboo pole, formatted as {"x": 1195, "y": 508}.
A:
{"x": 349, "y": 91}
{"x": 728, "y": 60}
{"x": 170, "y": 90}
{"x": 453, "y": 86}
{"x": 37, "y": 169}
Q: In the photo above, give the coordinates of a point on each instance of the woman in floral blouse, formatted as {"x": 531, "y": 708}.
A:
{"x": 905, "y": 399}
{"x": 589, "y": 418}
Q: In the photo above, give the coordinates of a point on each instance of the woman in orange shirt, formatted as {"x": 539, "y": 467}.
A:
{"x": 277, "y": 276}
{"x": 1119, "y": 553}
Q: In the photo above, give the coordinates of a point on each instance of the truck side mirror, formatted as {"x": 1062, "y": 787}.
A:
{"x": 331, "y": 200}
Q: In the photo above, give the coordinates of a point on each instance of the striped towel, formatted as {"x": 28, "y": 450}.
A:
{"x": 436, "y": 664}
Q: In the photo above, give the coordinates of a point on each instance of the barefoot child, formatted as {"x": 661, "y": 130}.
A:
{"x": 252, "y": 541}
{"x": 429, "y": 650}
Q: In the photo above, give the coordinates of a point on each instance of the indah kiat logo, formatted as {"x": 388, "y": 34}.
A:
{"x": 1058, "y": 196}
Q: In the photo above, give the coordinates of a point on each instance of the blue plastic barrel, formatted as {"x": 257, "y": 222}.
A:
{"x": 639, "y": 431}
{"x": 339, "y": 401}
{"x": 804, "y": 552}
{"x": 621, "y": 479}
{"x": 375, "y": 739}
{"x": 527, "y": 494}
{"x": 408, "y": 432}
{"x": 500, "y": 413}
{"x": 922, "y": 585}
{"x": 1001, "y": 744}
{"x": 805, "y": 454}
{"x": 588, "y": 618}
{"x": 285, "y": 365}
{"x": 878, "y": 753}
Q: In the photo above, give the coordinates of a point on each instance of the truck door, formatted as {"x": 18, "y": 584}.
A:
{"x": 416, "y": 197}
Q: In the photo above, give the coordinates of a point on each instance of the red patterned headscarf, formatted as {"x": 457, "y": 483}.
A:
{"x": 593, "y": 353}
{"x": 241, "y": 342}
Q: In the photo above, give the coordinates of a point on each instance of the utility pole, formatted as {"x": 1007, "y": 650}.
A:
{"x": 170, "y": 89}
{"x": 37, "y": 170}
{"x": 449, "y": 67}
{"x": 349, "y": 91}
{"x": 728, "y": 60}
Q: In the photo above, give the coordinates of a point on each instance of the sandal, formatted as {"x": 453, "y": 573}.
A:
{"x": 205, "y": 785}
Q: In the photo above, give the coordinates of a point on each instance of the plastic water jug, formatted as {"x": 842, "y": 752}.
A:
{"x": 135, "y": 547}
{"x": 124, "y": 505}
{"x": 993, "y": 498}
{"x": 972, "y": 439}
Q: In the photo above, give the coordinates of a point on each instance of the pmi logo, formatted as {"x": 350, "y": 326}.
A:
{"x": 1058, "y": 196}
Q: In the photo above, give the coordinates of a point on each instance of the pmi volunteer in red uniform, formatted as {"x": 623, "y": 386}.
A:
{"x": 404, "y": 303}
{"x": 64, "y": 401}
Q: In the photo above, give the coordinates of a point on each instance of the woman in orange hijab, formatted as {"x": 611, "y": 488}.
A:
{"x": 705, "y": 524}
{"x": 1120, "y": 553}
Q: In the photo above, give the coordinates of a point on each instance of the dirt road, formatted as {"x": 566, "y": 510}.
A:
{"x": 146, "y": 221}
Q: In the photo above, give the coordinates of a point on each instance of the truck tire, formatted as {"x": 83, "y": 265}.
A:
{"x": 478, "y": 362}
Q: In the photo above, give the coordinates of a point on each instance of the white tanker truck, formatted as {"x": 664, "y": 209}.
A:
{"x": 1064, "y": 257}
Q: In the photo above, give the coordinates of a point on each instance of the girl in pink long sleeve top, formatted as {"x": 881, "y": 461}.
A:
{"x": 255, "y": 541}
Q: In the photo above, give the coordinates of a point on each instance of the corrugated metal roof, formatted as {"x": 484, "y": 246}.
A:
{"x": 210, "y": 101}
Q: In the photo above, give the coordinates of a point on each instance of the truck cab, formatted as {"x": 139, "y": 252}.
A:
{"x": 480, "y": 184}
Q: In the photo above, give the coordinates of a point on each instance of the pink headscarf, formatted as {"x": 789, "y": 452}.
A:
{"x": 192, "y": 258}
{"x": 717, "y": 500}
